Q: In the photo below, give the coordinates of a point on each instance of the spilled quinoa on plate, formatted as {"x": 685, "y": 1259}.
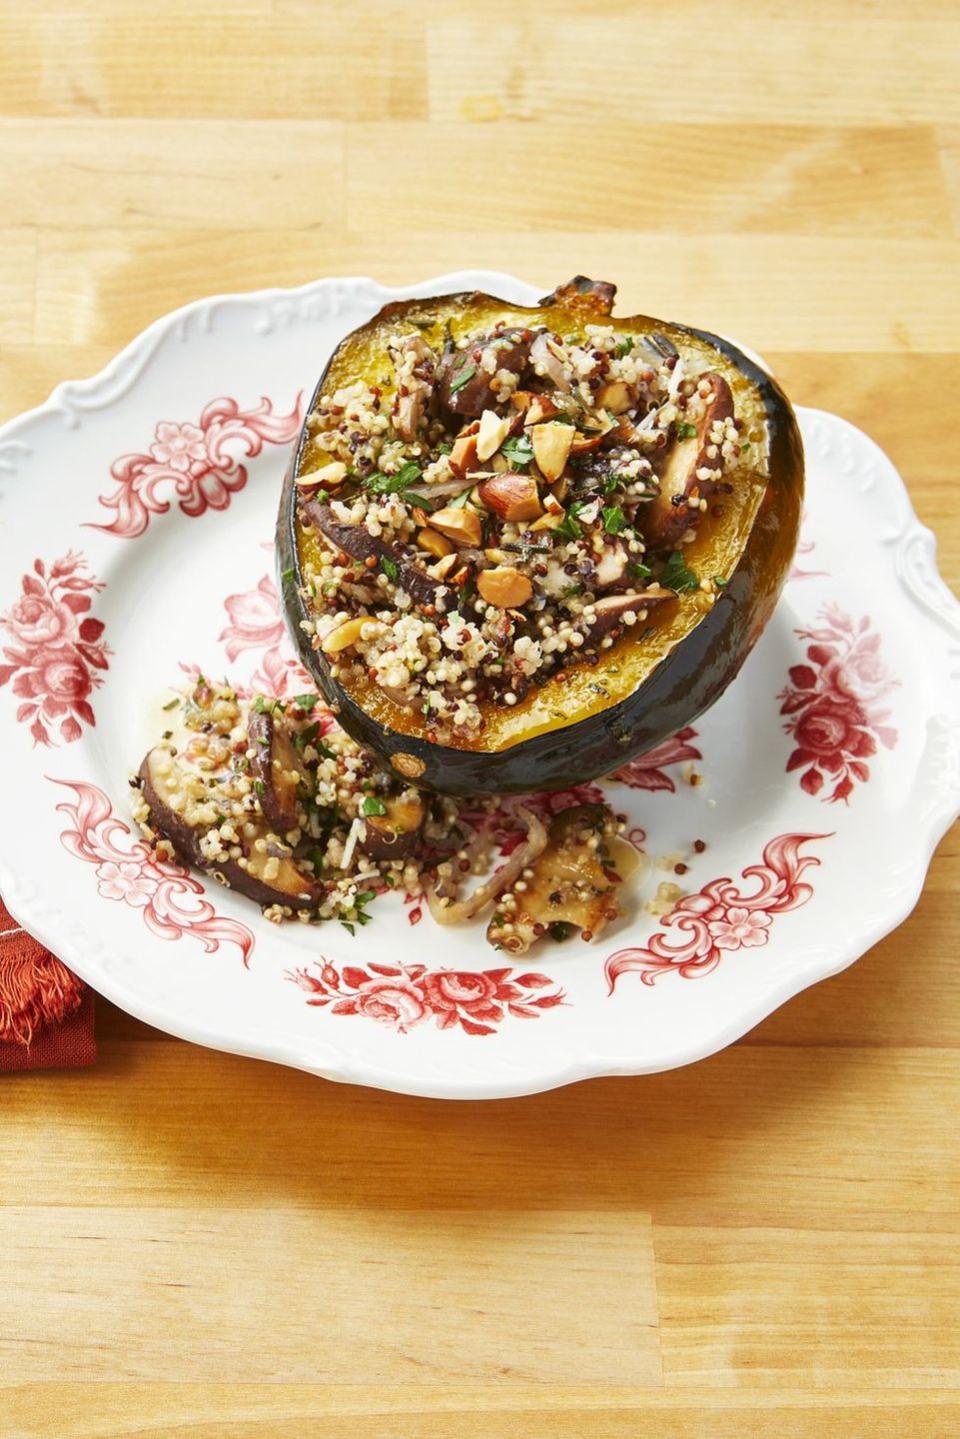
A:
{"x": 276, "y": 801}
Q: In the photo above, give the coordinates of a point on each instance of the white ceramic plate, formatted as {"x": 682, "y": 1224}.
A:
{"x": 136, "y": 515}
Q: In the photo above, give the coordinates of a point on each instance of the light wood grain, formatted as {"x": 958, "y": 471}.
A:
{"x": 200, "y": 1245}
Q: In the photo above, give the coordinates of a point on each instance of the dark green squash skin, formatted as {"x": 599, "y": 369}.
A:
{"x": 685, "y": 683}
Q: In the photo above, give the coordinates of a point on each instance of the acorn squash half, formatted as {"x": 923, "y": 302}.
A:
{"x": 587, "y": 718}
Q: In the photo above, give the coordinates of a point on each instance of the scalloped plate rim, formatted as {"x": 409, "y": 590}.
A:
{"x": 335, "y": 1062}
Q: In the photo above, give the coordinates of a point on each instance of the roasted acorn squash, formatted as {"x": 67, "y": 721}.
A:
{"x": 715, "y": 554}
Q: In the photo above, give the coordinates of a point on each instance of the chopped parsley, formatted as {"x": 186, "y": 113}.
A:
{"x": 464, "y": 376}
{"x": 390, "y": 568}
{"x": 676, "y": 576}
{"x": 624, "y": 347}
{"x": 685, "y": 431}
{"x": 614, "y": 519}
{"x": 288, "y": 574}
{"x": 518, "y": 450}
{"x": 642, "y": 571}
{"x": 372, "y": 805}
{"x": 720, "y": 582}
{"x": 306, "y": 703}
{"x": 172, "y": 704}
{"x": 568, "y": 529}
{"x": 259, "y": 786}
{"x": 406, "y": 476}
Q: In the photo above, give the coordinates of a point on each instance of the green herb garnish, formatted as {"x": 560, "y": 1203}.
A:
{"x": 172, "y": 704}
{"x": 685, "y": 431}
{"x": 676, "y": 576}
{"x": 406, "y": 476}
{"x": 720, "y": 582}
{"x": 306, "y": 703}
{"x": 390, "y": 568}
{"x": 288, "y": 574}
{"x": 464, "y": 377}
{"x": 614, "y": 519}
{"x": 372, "y": 805}
{"x": 259, "y": 786}
{"x": 642, "y": 571}
{"x": 568, "y": 528}
{"x": 624, "y": 347}
{"x": 518, "y": 450}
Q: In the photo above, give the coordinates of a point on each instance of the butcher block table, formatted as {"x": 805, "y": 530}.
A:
{"x": 199, "y": 1245}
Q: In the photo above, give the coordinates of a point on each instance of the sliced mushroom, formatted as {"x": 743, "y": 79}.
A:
{"x": 612, "y": 565}
{"x": 276, "y": 770}
{"x": 670, "y": 514}
{"x": 611, "y": 609}
{"x": 266, "y": 878}
{"x": 394, "y": 834}
{"x": 572, "y": 883}
{"x": 463, "y": 384}
{"x": 359, "y": 544}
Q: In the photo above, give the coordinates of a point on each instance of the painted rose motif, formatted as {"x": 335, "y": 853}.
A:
{"x": 723, "y": 917}
{"x": 128, "y": 872}
{"x": 833, "y": 705}
{"x": 200, "y": 465}
{"x": 56, "y": 654}
{"x": 255, "y": 623}
{"x": 403, "y": 996}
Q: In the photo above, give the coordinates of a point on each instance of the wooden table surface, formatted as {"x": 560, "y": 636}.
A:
{"x": 766, "y": 1243}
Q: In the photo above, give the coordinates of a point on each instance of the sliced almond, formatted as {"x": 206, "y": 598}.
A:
{"x": 434, "y": 543}
{"x": 329, "y": 476}
{"x": 344, "y": 635}
{"x": 491, "y": 434}
{"x": 504, "y": 587}
{"x": 458, "y": 524}
{"x": 551, "y": 447}
{"x": 512, "y": 496}
{"x": 614, "y": 396}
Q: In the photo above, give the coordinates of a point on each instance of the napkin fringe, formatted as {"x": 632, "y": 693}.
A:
{"x": 35, "y": 990}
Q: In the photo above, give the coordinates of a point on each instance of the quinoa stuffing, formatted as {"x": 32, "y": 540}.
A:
{"x": 276, "y": 801}
{"x": 503, "y": 505}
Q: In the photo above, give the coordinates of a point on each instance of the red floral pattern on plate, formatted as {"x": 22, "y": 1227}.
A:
{"x": 834, "y": 704}
{"x": 256, "y": 624}
{"x": 199, "y": 464}
{"x": 647, "y": 770}
{"x": 56, "y": 651}
{"x": 129, "y": 873}
{"x": 403, "y": 996}
{"x": 721, "y": 917}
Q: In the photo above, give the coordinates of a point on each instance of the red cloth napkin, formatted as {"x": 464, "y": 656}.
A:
{"x": 46, "y": 1013}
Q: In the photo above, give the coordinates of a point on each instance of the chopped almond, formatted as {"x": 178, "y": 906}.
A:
{"x": 541, "y": 408}
{"x": 582, "y": 443}
{"x": 491, "y": 434}
{"x": 463, "y": 456}
{"x": 512, "y": 496}
{"x": 551, "y": 447}
{"x": 344, "y": 635}
{"x": 614, "y": 397}
{"x": 445, "y": 567}
{"x": 434, "y": 543}
{"x": 458, "y": 524}
{"x": 504, "y": 587}
{"x": 329, "y": 476}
